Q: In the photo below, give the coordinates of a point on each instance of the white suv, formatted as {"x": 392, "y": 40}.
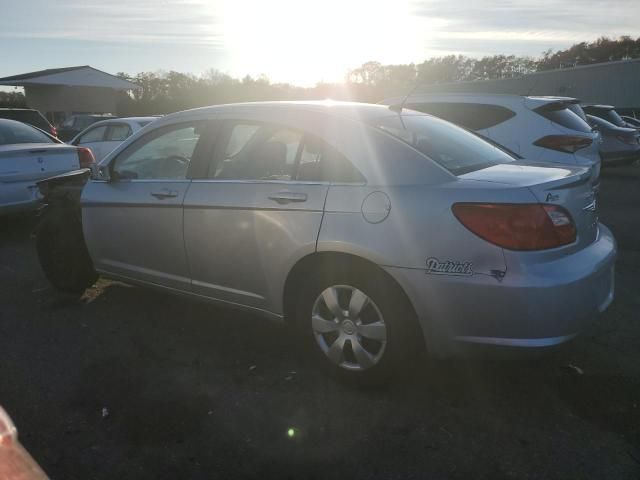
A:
{"x": 540, "y": 129}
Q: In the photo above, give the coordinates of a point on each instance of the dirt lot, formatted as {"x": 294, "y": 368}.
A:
{"x": 129, "y": 383}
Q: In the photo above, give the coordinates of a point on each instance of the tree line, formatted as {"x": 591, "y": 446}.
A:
{"x": 165, "y": 92}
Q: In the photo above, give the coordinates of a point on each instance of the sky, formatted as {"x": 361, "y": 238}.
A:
{"x": 296, "y": 41}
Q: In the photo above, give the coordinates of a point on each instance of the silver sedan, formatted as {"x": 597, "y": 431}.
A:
{"x": 373, "y": 231}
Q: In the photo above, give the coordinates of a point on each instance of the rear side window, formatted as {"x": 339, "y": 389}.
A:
{"x": 258, "y": 152}
{"x": 93, "y": 135}
{"x": 261, "y": 151}
{"x": 319, "y": 161}
{"x": 474, "y": 116}
{"x": 14, "y": 132}
{"x": 454, "y": 148}
{"x": 564, "y": 117}
{"x": 118, "y": 133}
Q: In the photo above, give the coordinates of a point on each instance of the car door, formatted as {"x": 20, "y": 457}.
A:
{"x": 116, "y": 134}
{"x": 133, "y": 222}
{"x": 250, "y": 216}
{"x": 93, "y": 139}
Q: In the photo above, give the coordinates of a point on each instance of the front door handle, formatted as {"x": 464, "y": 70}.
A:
{"x": 288, "y": 197}
{"x": 164, "y": 193}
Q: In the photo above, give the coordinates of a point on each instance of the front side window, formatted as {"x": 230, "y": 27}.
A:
{"x": 118, "y": 133}
{"x": 258, "y": 152}
{"x": 474, "y": 116}
{"x": 93, "y": 135}
{"x": 162, "y": 154}
{"x": 454, "y": 148}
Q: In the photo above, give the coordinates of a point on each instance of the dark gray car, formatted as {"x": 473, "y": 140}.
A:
{"x": 619, "y": 144}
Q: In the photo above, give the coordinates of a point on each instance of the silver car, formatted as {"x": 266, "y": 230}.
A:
{"x": 372, "y": 231}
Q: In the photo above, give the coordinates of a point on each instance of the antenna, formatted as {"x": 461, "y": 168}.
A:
{"x": 399, "y": 108}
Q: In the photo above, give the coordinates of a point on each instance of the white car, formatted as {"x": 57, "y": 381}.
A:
{"x": 539, "y": 129}
{"x": 102, "y": 137}
{"x": 27, "y": 155}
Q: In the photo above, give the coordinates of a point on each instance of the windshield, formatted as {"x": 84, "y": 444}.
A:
{"x": 452, "y": 147}
{"x": 16, "y": 132}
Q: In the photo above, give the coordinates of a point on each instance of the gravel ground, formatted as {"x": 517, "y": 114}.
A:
{"x": 129, "y": 383}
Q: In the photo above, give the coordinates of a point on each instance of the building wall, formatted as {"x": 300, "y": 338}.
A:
{"x": 616, "y": 83}
{"x": 69, "y": 100}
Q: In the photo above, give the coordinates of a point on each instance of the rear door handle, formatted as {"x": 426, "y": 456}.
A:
{"x": 164, "y": 193}
{"x": 288, "y": 197}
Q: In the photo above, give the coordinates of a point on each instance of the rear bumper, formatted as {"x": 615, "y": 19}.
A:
{"x": 612, "y": 158}
{"x": 18, "y": 196}
{"x": 548, "y": 306}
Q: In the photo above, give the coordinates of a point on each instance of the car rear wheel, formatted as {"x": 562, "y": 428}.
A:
{"x": 359, "y": 326}
{"x": 62, "y": 252}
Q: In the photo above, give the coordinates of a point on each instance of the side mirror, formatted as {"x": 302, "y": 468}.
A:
{"x": 101, "y": 172}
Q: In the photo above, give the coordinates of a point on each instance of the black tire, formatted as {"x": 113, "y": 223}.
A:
{"x": 404, "y": 345}
{"x": 62, "y": 252}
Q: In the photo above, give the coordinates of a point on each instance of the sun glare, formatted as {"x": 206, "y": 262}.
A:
{"x": 305, "y": 41}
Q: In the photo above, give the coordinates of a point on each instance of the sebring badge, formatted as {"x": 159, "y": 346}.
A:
{"x": 448, "y": 267}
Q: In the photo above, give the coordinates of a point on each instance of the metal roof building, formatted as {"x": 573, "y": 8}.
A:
{"x": 60, "y": 92}
{"x": 612, "y": 83}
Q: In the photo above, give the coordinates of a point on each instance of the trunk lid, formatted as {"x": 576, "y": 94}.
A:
{"x": 567, "y": 186}
{"x": 34, "y": 161}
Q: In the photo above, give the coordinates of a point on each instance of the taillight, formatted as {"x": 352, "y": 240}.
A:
{"x": 85, "y": 156}
{"x": 527, "y": 226}
{"x": 564, "y": 143}
{"x": 628, "y": 138}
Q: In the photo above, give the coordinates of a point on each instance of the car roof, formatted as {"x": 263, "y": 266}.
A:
{"x": 600, "y": 107}
{"x": 19, "y": 109}
{"x": 478, "y": 97}
{"x": 111, "y": 120}
{"x": 365, "y": 112}
{"x": 8, "y": 121}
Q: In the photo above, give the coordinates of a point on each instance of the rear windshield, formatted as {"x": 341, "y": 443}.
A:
{"x": 28, "y": 116}
{"x": 565, "y": 118}
{"x": 613, "y": 117}
{"x": 601, "y": 122}
{"x": 454, "y": 148}
{"x": 14, "y": 132}
{"x": 577, "y": 109}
